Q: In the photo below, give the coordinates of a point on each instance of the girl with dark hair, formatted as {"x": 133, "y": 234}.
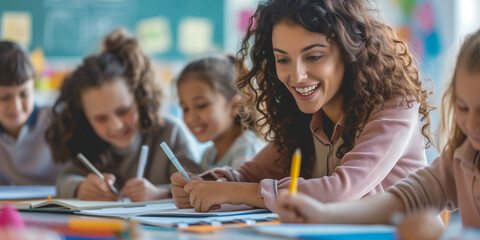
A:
{"x": 211, "y": 109}
{"x": 106, "y": 110}
{"x": 329, "y": 78}
{"x": 22, "y": 123}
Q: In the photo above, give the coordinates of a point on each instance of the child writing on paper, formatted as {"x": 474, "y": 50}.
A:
{"x": 107, "y": 109}
{"x": 327, "y": 77}
{"x": 211, "y": 109}
{"x": 22, "y": 123}
{"x": 449, "y": 183}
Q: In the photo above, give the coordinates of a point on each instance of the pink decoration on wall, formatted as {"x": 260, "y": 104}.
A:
{"x": 243, "y": 18}
{"x": 423, "y": 15}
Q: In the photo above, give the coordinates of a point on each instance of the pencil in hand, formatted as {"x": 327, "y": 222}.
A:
{"x": 92, "y": 168}
{"x": 174, "y": 160}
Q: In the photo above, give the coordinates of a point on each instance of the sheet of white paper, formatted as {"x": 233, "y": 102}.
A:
{"x": 169, "y": 209}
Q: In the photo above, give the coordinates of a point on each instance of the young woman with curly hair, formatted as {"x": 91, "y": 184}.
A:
{"x": 107, "y": 109}
{"x": 331, "y": 79}
{"x": 450, "y": 182}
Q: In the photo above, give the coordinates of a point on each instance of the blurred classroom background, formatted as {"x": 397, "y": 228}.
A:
{"x": 58, "y": 33}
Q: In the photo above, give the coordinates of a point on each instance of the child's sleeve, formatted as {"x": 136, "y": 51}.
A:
{"x": 69, "y": 179}
{"x": 432, "y": 187}
{"x": 245, "y": 150}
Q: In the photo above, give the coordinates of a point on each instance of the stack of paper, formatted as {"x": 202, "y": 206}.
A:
{"x": 168, "y": 215}
{"x": 159, "y": 213}
{"x": 169, "y": 210}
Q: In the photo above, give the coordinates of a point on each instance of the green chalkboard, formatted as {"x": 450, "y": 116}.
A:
{"x": 71, "y": 28}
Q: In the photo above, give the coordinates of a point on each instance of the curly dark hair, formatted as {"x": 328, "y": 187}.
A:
{"x": 121, "y": 58}
{"x": 378, "y": 67}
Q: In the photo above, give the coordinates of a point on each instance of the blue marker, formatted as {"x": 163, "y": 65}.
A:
{"x": 174, "y": 160}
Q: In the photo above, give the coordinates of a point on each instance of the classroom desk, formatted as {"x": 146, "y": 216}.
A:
{"x": 456, "y": 231}
{"x": 228, "y": 233}
{"x": 145, "y": 232}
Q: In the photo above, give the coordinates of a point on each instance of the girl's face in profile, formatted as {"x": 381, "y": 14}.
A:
{"x": 467, "y": 105}
{"x": 112, "y": 112}
{"x": 308, "y": 65}
{"x": 206, "y": 112}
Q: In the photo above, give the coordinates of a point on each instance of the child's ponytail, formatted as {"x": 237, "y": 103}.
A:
{"x": 138, "y": 71}
{"x": 121, "y": 59}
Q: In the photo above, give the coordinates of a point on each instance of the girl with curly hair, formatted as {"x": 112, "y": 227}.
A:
{"x": 329, "y": 78}
{"x": 212, "y": 111}
{"x": 450, "y": 182}
{"x": 107, "y": 109}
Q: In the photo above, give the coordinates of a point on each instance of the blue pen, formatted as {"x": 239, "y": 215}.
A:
{"x": 174, "y": 160}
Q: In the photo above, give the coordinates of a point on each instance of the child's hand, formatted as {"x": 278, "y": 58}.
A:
{"x": 208, "y": 195}
{"x": 140, "y": 189}
{"x": 425, "y": 226}
{"x": 298, "y": 208}
{"x": 94, "y": 188}
{"x": 180, "y": 197}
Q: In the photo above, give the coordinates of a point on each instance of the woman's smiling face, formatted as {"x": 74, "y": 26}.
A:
{"x": 308, "y": 65}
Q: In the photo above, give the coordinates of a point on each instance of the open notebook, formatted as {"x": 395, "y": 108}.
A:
{"x": 77, "y": 205}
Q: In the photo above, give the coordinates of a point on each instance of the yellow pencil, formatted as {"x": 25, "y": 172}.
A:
{"x": 295, "y": 170}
